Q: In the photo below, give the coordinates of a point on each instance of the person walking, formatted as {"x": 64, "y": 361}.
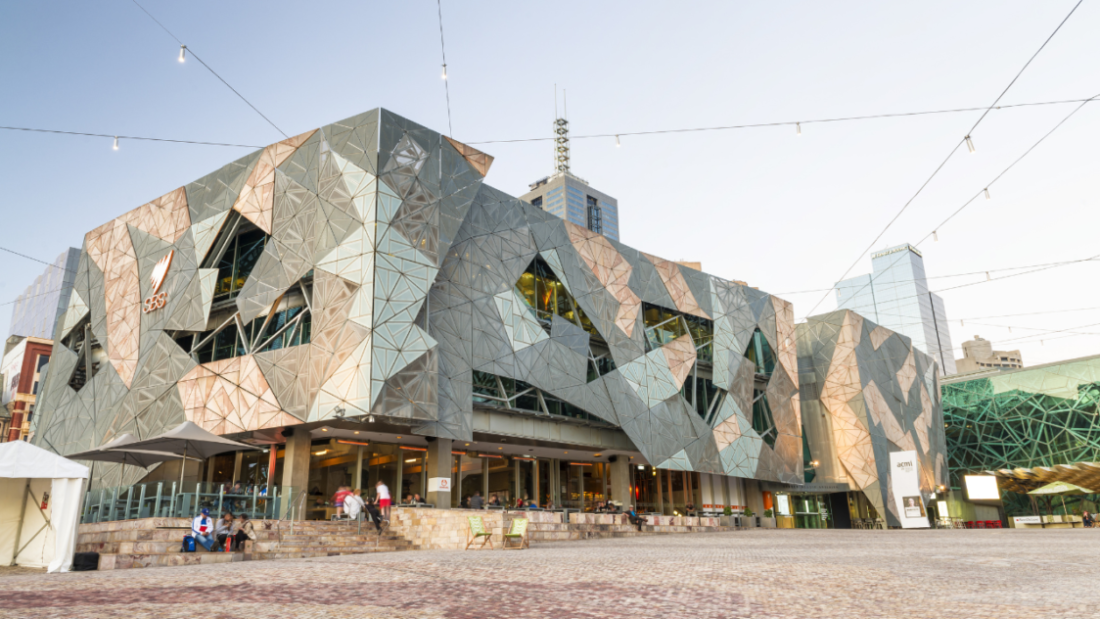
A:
{"x": 477, "y": 502}
{"x": 338, "y": 500}
{"x": 202, "y": 529}
{"x": 383, "y": 494}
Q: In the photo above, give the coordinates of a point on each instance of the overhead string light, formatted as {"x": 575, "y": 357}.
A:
{"x": 798, "y": 128}
{"x": 970, "y": 144}
{"x": 935, "y": 236}
{"x": 986, "y": 190}
{"x": 183, "y": 53}
{"x": 987, "y": 277}
{"x": 444, "y": 71}
{"x": 115, "y": 147}
{"x": 617, "y": 142}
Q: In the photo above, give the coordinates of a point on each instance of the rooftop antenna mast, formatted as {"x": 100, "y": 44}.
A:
{"x": 561, "y": 134}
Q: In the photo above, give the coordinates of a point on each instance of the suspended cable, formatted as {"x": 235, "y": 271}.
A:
{"x": 132, "y": 137}
{"x": 443, "y": 50}
{"x": 954, "y": 149}
{"x": 184, "y": 48}
{"x": 127, "y": 137}
{"x": 785, "y": 123}
{"x": 900, "y": 282}
{"x": 33, "y": 259}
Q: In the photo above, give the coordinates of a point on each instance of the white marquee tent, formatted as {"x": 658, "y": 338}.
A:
{"x": 31, "y": 535}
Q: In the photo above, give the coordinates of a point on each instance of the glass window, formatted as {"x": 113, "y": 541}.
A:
{"x": 237, "y": 263}
{"x": 761, "y": 354}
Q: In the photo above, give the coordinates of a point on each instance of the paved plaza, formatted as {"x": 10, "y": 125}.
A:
{"x": 763, "y": 573}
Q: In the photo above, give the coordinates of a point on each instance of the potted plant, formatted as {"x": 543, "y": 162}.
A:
{"x": 726, "y": 517}
{"x": 769, "y": 514}
{"x": 753, "y": 519}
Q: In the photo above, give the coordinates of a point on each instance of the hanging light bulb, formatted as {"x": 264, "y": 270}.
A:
{"x": 183, "y": 53}
{"x": 798, "y": 128}
{"x": 935, "y": 237}
{"x": 970, "y": 144}
{"x": 370, "y": 419}
{"x": 115, "y": 147}
{"x": 444, "y": 71}
{"x": 1010, "y": 329}
{"x": 617, "y": 142}
{"x": 986, "y": 190}
{"x": 962, "y": 324}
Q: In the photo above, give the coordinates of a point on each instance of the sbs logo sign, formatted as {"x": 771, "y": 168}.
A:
{"x": 158, "y": 299}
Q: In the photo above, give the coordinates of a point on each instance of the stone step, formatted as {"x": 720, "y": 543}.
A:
{"x": 123, "y": 561}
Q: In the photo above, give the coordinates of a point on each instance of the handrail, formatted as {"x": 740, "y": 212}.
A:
{"x": 298, "y": 500}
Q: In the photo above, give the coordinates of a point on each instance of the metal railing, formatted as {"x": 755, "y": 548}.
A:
{"x": 172, "y": 500}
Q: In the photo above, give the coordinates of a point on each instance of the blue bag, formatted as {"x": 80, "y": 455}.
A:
{"x": 188, "y": 544}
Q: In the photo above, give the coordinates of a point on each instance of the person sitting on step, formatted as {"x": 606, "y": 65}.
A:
{"x": 202, "y": 529}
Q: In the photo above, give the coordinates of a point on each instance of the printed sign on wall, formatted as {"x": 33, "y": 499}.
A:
{"x": 905, "y": 483}
{"x": 439, "y": 484}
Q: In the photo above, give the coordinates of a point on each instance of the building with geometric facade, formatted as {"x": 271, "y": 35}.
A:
{"x": 357, "y": 301}
{"x": 866, "y": 392}
{"x": 1040, "y": 416}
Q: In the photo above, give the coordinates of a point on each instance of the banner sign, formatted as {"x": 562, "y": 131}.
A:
{"x": 439, "y": 484}
{"x": 905, "y": 484}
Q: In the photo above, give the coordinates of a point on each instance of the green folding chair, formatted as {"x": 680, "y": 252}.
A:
{"x": 477, "y": 529}
{"x": 518, "y": 530}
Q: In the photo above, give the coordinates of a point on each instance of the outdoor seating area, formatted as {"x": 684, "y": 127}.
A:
{"x": 868, "y": 523}
{"x": 171, "y": 500}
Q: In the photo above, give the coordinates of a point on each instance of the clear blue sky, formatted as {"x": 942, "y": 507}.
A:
{"x": 784, "y": 213}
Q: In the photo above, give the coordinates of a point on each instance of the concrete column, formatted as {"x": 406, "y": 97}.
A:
{"x": 580, "y": 484}
{"x": 671, "y": 493}
{"x": 209, "y": 464}
{"x": 485, "y": 479}
{"x": 620, "y": 481}
{"x": 397, "y": 495}
{"x": 660, "y": 493}
{"x": 515, "y": 482}
{"x": 604, "y": 489}
{"x": 537, "y": 497}
{"x": 357, "y": 478}
{"x": 296, "y": 467}
{"x": 238, "y": 459}
{"x": 439, "y": 465}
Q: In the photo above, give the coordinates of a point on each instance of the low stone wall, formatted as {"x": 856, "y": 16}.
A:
{"x": 448, "y": 528}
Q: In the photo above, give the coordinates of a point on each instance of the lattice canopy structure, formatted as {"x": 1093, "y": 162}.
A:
{"x": 1043, "y": 416}
{"x": 868, "y": 392}
{"x": 365, "y": 267}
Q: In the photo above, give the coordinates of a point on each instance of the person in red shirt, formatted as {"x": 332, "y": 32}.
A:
{"x": 338, "y": 499}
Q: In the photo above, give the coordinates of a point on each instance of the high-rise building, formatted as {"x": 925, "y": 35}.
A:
{"x": 570, "y": 197}
{"x": 896, "y": 296}
{"x": 36, "y": 311}
{"x": 978, "y": 355}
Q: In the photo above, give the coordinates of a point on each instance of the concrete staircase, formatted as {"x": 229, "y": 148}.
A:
{"x": 157, "y": 542}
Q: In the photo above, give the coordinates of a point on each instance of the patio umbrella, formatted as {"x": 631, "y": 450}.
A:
{"x": 188, "y": 440}
{"x": 1062, "y": 489}
{"x": 116, "y": 450}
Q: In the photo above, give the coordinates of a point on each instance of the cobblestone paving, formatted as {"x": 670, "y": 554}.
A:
{"x": 803, "y": 574}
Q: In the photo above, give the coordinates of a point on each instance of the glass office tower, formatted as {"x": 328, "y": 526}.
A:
{"x": 896, "y": 296}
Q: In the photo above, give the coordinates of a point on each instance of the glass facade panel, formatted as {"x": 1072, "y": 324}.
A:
{"x": 237, "y": 263}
